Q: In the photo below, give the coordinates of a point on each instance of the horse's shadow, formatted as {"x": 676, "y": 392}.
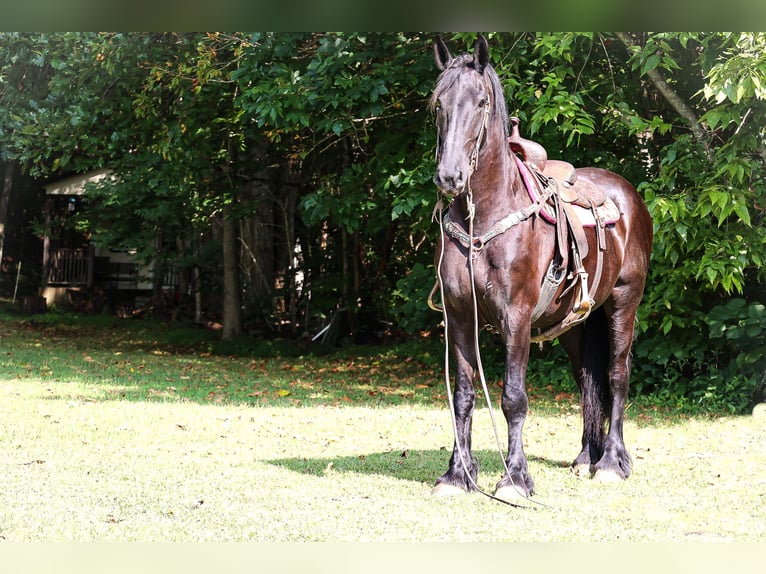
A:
{"x": 411, "y": 465}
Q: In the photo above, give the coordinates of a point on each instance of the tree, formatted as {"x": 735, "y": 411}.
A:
{"x": 351, "y": 109}
{"x": 158, "y": 110}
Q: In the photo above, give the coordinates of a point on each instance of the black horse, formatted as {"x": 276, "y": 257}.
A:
{"x": 516, "y": 253}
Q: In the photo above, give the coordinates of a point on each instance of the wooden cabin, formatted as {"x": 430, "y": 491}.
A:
{"x": 79, "y": 274}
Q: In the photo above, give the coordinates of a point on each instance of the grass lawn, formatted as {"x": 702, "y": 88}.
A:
{"x": 136, "y": 431}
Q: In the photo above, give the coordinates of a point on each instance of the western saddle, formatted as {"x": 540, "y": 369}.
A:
{"x": 571, "y": 190}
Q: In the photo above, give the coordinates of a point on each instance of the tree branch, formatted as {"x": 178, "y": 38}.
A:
{"x": 672, "y": 97}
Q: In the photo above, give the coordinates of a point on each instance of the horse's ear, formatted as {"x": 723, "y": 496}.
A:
{"x": 480, "y": 54}
{"x": 441, "y": 53}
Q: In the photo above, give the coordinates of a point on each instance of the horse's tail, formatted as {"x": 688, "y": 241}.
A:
{"x": 596, "y": 393}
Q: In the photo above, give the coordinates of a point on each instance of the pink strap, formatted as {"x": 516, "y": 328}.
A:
{"x": 531, "y": 189}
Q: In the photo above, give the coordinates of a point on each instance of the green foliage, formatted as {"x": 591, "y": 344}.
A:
{"x": 738, "y": 336}
{"x": 709, "y": 240}
{"x": 410, "y": 296}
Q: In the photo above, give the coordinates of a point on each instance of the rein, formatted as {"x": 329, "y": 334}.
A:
{"x": 450, "y": 400}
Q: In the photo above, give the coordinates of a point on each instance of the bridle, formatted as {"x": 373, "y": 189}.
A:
{"x": 478, "y": 143}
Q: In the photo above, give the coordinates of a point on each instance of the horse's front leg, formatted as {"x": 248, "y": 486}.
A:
{"x": 516, "y": 481}
{"x": 463, "y": 470}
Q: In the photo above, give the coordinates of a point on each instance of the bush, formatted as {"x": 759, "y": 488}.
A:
{"x": 713, "y": 363}
{"x": 410, "y": 309}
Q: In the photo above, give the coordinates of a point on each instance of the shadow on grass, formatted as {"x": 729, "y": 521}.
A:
{"x": 412, "y": 465}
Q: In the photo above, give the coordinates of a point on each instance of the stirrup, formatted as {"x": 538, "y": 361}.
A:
{"x": 585, "y": 302}
{"x": 584, "y": 307}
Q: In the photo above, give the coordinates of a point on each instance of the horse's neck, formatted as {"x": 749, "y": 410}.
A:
{"x": 494, "y": 187}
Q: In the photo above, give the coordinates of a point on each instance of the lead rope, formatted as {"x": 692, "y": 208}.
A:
{"x": 453, "y": 417}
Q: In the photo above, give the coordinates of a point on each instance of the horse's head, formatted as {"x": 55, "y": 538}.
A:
{"x": 465, "y": 96}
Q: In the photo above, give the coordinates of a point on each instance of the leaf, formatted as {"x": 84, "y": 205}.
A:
{"x": 650, "y": 63}
{"x": 736, "y": 303}
{"x": 743, "y": 213}
{"x": 756, "y": 311}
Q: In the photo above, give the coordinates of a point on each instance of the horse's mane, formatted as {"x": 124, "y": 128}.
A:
{"x": 449, "y": 76}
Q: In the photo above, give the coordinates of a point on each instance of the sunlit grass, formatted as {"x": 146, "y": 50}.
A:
{"x": 189, "y": 363}
{"x": 79, "y": 464}
{"x": 133, "y": 430}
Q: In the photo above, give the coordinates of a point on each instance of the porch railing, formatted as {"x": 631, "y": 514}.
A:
{"x": 68, "y": 267}
{"x": 77, "y": 267}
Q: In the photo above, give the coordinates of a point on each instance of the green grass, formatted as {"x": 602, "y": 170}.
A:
{"x": 138, "y": 431}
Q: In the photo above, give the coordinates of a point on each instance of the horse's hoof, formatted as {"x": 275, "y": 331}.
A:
{"x": 443, "y": 490}
{"x": 607, "y": 476}
{"x": 581, "y": 470}
{"x": 511, "y": 494}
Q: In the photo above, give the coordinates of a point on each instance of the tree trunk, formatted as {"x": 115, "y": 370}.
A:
{"x": 232, "y": 299}
{"x": 285, "y": 248}
{"x": 258, "y": 242}
{"x": 198, "y": 316}
{"x": 672, "y": 97}
{"x": 158, "y": 273}
{"x": 5, "y": 198}
{"x": 346, "y": 279}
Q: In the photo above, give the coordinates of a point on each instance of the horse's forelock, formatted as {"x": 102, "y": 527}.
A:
{"x": 448, "y": 77}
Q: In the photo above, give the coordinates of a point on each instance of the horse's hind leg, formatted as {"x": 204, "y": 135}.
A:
{"x": 462, "y": 474}
{"x": 587, "y": 347}
{"x": 600, "y": 353}
{"x": 615, "y": 462}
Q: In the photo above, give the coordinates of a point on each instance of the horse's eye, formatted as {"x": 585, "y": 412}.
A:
{"x": 483, "y": 102}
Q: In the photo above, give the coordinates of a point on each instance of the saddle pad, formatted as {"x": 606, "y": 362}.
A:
{"x": 608, "y": 212}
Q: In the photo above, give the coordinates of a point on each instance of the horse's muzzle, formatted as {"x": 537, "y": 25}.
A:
{"x": 450, "y": 183}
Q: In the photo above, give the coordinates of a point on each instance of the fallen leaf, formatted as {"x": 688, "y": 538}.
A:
{"x": 111, "y": 519}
